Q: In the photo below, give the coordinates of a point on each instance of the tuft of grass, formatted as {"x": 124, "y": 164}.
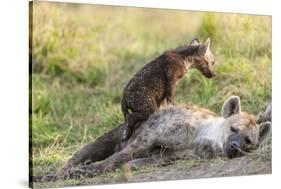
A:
{"x": 209, "y": 26}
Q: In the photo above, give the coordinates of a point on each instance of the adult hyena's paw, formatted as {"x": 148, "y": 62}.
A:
{"x": 77, "y": 173}
{"x": 49, "y": 178}
{"x": 84, "y": 171}
{"x": 206, "y": 149}
{"x": 45, "y": 178}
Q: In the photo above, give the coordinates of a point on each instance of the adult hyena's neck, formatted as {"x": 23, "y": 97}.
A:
{"x": 211, "y": 130}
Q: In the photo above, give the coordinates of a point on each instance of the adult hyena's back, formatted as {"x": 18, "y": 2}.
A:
{"x": 168, "y": 127}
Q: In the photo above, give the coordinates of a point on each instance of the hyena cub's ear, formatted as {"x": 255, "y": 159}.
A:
{"x": 206, "y": 50}
{"x": 207, "y": 42}
{"x": 231, "y": 106}
{"x": 264, "y": 130}
{"x": 194, "y": 42}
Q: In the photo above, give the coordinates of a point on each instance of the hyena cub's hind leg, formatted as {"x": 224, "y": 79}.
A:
{"x": 134, "y": 120}
{"x": 141, "y": 108}
{"x": 139, "y": 114}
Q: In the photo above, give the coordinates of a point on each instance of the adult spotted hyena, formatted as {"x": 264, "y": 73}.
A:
{"x": 156, "y": 81}
{"x": 182, "y": 131}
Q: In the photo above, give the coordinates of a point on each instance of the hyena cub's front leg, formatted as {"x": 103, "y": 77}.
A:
{"x": 172, "y": 77}
{"x": 170, "y": 96}
{"x": 134, "y": 148}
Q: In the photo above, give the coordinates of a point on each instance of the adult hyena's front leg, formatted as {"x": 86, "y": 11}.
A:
{"x": 139, "y": 145}
{"x": 162, "y": 158}
{"x": 206, "y": 149}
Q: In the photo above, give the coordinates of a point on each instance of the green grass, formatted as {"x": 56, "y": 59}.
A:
{"x": 84, "y": 56}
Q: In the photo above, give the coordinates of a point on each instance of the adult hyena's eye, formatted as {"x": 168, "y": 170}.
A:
{"x": 234, "y": 129}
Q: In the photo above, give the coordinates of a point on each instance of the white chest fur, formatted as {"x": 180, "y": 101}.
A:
{"x": 211, "y": 129}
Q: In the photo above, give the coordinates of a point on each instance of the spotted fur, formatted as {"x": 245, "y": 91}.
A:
{"x": 184, "y": 131}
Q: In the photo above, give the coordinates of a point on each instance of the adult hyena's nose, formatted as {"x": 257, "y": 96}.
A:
{"x": 232, "y": 149}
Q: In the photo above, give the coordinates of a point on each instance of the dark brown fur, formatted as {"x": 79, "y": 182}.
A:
{"x": 157, "y": 81}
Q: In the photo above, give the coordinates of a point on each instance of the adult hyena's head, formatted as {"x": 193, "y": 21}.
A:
{"x": 203, "y": 60}
{"x": 242, "y": 133}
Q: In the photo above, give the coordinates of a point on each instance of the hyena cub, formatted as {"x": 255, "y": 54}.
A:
{"x": 157, "y": 81}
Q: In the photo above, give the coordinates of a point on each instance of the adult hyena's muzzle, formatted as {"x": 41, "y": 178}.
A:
{"x": 232, "y": 147}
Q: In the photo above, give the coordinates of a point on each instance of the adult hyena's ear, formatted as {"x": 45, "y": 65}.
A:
{"x": 231, "y": 106}
{"x": 194, "y": 42}
{"x": 264, "y": 130}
